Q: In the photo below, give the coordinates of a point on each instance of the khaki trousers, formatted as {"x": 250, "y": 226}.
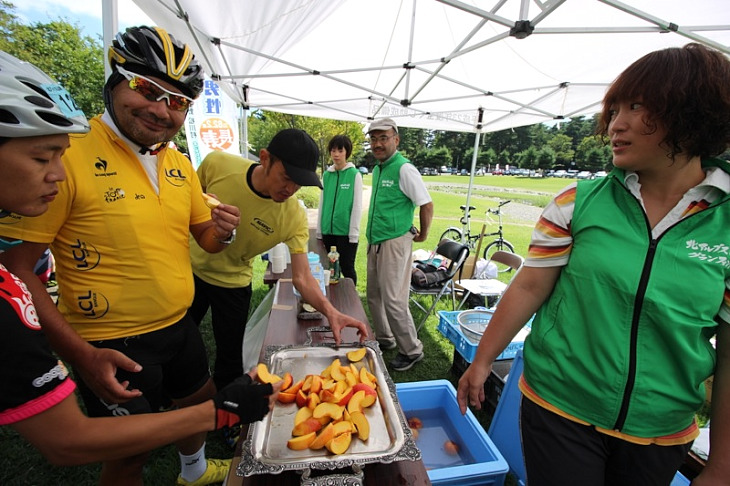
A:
{"x": 388, "y": 291}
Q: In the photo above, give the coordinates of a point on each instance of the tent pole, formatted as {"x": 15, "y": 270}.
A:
{"x": 465, "y": 221}
{"x": 110, "y": 24}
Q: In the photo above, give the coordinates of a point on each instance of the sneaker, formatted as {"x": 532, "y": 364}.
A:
{"x": 216, "y": 472}
{"x": 403, "y": 362}
{"x": 387, "y": 345}
{"x": 231, "y": 435}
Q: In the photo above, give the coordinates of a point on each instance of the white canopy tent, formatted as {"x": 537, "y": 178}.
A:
{"x": 472, "y": 65}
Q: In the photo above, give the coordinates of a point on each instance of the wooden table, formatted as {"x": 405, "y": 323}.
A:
{"x": 285, "y": 328}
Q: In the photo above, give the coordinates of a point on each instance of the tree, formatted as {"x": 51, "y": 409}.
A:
{"x": 546, "y": 158}
{"x": 59, "y": 49}
{"x": 529, "y": 158}
{"x": 563, "y": 147}
{"x": 435, "y": 157}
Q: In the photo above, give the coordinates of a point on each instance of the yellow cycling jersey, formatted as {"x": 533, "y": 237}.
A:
{"x": 121, "y": 250}
{"x": 264, "y": 222}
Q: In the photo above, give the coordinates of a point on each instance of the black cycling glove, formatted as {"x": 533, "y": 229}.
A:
{"x": 241, "y": 401}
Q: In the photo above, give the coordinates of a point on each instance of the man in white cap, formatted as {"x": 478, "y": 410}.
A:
{"x": 397, "y": 190}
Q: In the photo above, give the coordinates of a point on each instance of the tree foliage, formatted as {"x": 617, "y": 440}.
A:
{"x": 59, "y": 49}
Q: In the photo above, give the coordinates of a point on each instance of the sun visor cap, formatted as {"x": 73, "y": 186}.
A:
{"x": 299, "y": 154}
{"x": 383, "y": 124}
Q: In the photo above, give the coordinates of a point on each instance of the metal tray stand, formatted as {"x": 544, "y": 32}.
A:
{"x": 265, "y": 452}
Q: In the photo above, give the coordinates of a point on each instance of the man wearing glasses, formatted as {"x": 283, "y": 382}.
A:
{"x": 119, "y": 233}
{"x": 397, "y": 190}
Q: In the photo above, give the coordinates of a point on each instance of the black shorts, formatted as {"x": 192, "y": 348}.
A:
{"x": 174, "y": 366}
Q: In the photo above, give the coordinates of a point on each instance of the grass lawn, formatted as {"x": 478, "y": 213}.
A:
{"x": 20, "y": 464}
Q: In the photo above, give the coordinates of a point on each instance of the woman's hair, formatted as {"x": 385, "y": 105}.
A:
{"x": 341, "y": 142}
{"x": 685, "y": 90}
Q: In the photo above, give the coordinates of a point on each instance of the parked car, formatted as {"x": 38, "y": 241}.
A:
{"x": 584, "y": 174}
{"x": 600, "y": 173}
{"x": 363, "y": 170}
{"x": 560, "y": 173}
{"x": 464, "y": 172}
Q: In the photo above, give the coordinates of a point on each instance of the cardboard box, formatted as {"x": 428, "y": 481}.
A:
{"x": 467, "y": 270}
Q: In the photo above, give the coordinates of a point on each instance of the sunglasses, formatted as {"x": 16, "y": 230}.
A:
{"x": 154, "y": 92}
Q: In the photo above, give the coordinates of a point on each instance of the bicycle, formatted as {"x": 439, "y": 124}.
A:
{"x": 471, "y": 240}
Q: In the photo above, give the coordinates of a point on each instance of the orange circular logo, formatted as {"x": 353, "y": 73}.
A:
{"x": 216, "y": 134}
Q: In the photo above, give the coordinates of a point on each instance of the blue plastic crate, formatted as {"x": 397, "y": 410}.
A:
{"x": 436, "y": 401}
{"x": 449, "y": 327}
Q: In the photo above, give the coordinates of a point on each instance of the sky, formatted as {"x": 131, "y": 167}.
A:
{"x": 84, "y": 13}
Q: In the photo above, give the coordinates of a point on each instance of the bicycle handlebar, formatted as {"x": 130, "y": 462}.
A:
{"x": 497, "y": 210}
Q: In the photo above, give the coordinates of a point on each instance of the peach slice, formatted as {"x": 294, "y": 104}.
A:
{"x": 354, "y": 405}
{"x": 264, "y": 376}
{"x": 325, "y": 435}
{"x": 307, "y": 385}
{"x": 357, "y": 355}
{"x": 339, "y": 444}
{"x": 364, "y": 378}
{"x": 328, "y": 396}
{"x": 301, "y": 399}
{"x": 354, "y": 370}
{"x": 367, "y": 401}
{"x": 287, "y": 397}
{"x": 369, "y": 390}
{"x": 293, "y": 389}
{"x": 312, "y": 401}
{"x": 342, "y": 426}
{"x": 351, "y": 378}
{"x": 328, "y": 409}
{"x": 302, "y": 414}
{"x": 301, "y": 443}
{"x": 305, "y": 427}
{"x": 210, "y": 201}
{"x": 361, "y": 423}
{"x": 415, "y": 423}
{"x": 340, "y": 387}
{"x": 345, "y": 397}
{"x": 328, "y": 384}
{"x": 336, "y": 372}
{"x": 316, "y": 384}
{"x": 287, "y": 380}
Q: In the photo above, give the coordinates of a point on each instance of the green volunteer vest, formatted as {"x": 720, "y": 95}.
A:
{"x": 598, "y": 346}
{"x": 338, "y": 194}
{"x": 391, "y": 212}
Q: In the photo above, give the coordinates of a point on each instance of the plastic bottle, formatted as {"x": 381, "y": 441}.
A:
{"x": 334, "y": 257}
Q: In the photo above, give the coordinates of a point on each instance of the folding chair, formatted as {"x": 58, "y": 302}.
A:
{"x": 456, "y": 253}
{"x": 490, "y": 287}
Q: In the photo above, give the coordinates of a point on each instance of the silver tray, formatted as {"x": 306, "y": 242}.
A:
{"x": 265, "y": 452}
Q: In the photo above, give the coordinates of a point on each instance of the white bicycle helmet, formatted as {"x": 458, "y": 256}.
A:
{"x": 32, "y": 104}
{"x": 152, "y": 51}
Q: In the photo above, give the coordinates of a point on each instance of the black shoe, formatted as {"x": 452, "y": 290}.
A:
{"x": 403, "y": 362}
{"x": 387, "y": 345}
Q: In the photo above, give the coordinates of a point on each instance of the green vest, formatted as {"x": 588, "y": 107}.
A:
{"x": 338, "y": 194}
{"x": 623, "y": 340}
{"x": 391, "y": 212}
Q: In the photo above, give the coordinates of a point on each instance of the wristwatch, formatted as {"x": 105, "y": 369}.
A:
{"x": 231, "y": 238}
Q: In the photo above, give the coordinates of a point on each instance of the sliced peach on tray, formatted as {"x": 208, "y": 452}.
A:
{"x": 312, "y": 401}
{"x": 316, "y": 384}
{"x": 336, "y": 372}
{"x": 264, "y": 376}
{"x": 354, "y": 370}
{"x": 301, "y": 399}
{"x": 345, "y": 397}
{"x": 343, "y": 426}
{"x": 328, "y": 409}
{"x": 351, "y": 378}
{"x": 302, "y": 414}
{"x": 302, "y": 442}
{"x": 354, "y": 404}
{"x": 357, "y": 355}
{"x": 324, "y": 436}
{"x": 340, "y": 443}
{"x": 365, "y": 378}
{"x": 361, "y": 424}
{"x": 293, "y": 388}
{"x": 303, "y": 428}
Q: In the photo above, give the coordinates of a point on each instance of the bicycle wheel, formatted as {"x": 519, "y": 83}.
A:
{"x": 451, "y": 234}
{"x": 499, "y": 245}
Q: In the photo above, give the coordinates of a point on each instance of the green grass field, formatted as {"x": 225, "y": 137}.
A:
{"x": 20, "y": 464}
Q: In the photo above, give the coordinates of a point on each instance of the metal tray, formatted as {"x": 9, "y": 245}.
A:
{"x": 264, "y": 450}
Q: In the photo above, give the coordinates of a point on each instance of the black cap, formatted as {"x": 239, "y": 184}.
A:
{"x": 299, "y": 154}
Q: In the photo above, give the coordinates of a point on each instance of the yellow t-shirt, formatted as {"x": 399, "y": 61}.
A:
{"x": 121, "y": 250}
{"x": 264, "y": 222}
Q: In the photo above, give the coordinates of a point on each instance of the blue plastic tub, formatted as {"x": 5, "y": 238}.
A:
{"x": 449, "y": 327}
{"x": 478, "y": 461}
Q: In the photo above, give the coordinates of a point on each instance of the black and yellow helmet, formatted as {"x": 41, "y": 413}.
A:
{"x": 152, "y": 51}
